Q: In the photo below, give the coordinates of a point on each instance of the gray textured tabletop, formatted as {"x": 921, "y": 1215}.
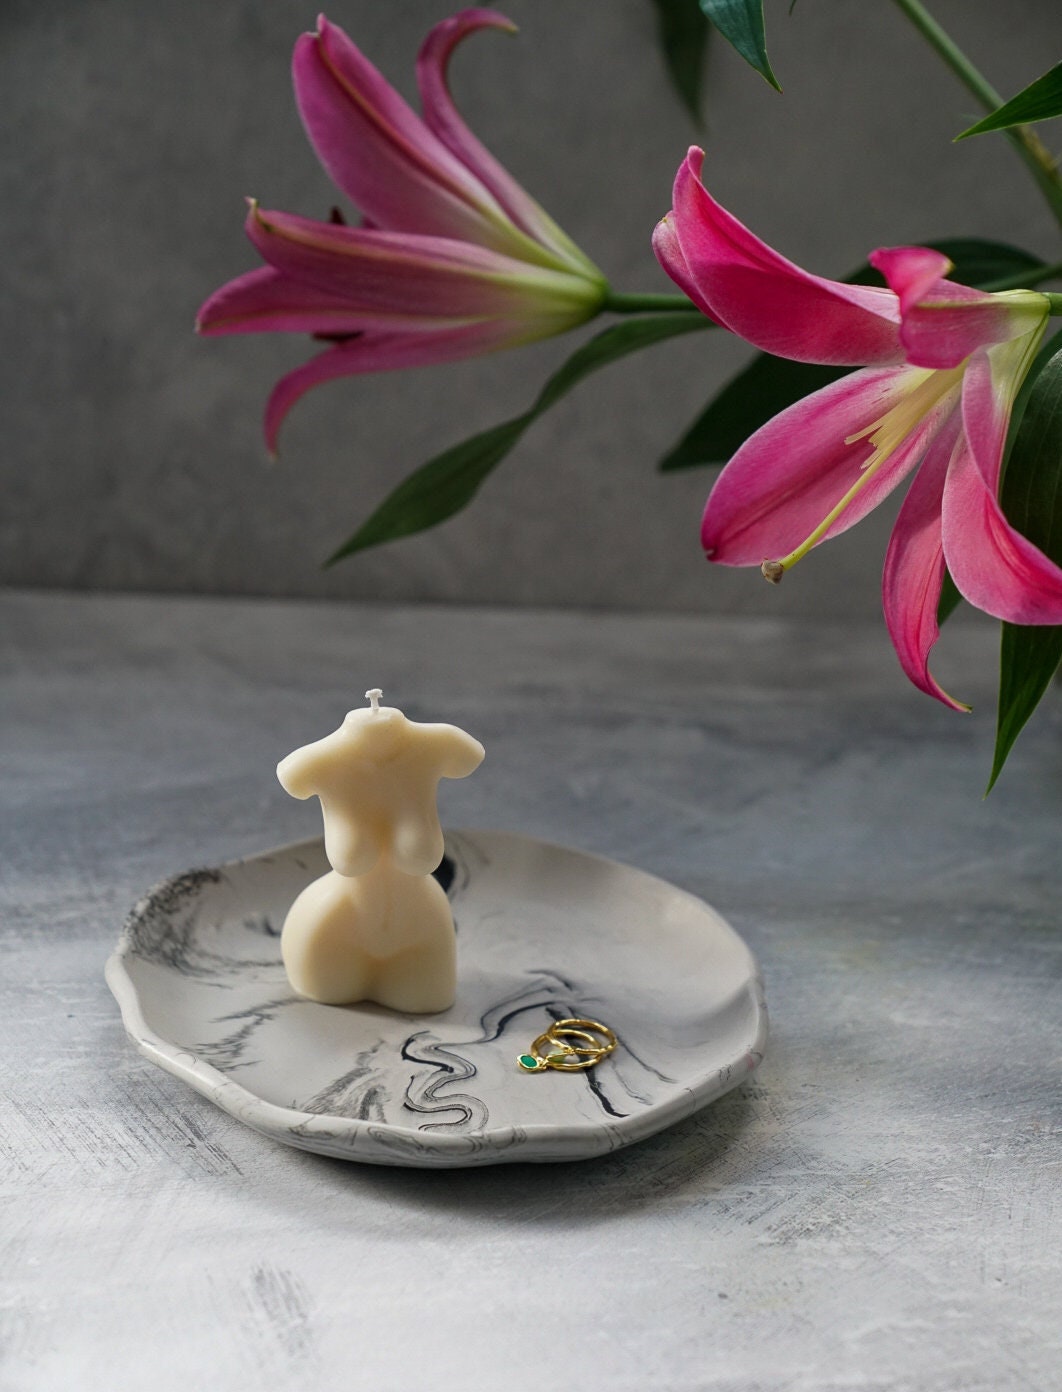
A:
{"x": 878, "y": 1208}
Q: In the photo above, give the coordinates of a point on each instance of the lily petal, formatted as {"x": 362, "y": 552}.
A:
{"x": 990, "y": 386}
{"x": 669, "y": 253}
{"x": 265, "y": 300}
{"x": 379, "y": 151}
{"x": 762, "y": 297}
{"x": 788, "y": 476}
{"x": 943, "y": 323}
{"x": 443, "y": 120}
{"x": 914, "y": 567}
{"x": 388, "y": 351}
{"x": 994, "y": 566}
{"x": 403, "y": 273}
{"x": 912, "y": 271}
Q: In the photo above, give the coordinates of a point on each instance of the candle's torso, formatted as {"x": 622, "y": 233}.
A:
{"x": 379, "y": 926}
{"x": 377, "y": 777}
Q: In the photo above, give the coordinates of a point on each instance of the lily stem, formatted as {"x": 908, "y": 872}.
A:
{"x": 1056, "y": 303}
{"x": 1028, "y": 145}
{"x": 619, "y": 303}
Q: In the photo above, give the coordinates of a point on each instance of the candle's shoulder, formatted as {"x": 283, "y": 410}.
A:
{"x": 301, "y": 771}
{"x": 456, "y": 751}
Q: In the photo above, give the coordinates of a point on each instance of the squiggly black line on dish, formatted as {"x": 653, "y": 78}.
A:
{"x": 422, "y": 1095}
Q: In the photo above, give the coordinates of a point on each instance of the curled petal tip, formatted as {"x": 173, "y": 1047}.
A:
{"x": 254, "y": 218}
{"x": 910, "y": 272}
{"x": 939, "y": 694}
{"x": 911, "y": 263}
{"x": 476, "y": 16}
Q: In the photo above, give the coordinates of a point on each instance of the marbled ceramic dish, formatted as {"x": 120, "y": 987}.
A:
{"x": 542, "y": 932}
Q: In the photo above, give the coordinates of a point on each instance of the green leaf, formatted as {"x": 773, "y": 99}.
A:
{"x": 741, "y": 23}
{"x": 1031, "y": 496}
{"x": 683, "y": 31}
{"x": 1028, "y": 659}
{"x": 768, "y": 384}
{"x": 1039, "y": 101}
{"x": 451, "y": 480}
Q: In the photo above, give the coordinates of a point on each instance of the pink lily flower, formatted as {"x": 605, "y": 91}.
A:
{"x": 941, "y": 366}
{"x": 453, "y": 258}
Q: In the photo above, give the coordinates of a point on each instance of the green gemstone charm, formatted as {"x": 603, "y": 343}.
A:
{"x": 530, "y": 1064}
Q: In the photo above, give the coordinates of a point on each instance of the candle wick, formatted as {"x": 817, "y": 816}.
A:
{"x": 374, "y": 696}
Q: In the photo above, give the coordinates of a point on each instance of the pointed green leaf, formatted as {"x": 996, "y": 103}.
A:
{"x": 741, "y": 23}
{"x": 448, "y": 482}
{"x": 769, "y": 384}
{"x": 683, "y": 31}
{"x": 1028, "y": 659}
{"x": 1039, "y": 101}
{"x": 1031, "y": 496}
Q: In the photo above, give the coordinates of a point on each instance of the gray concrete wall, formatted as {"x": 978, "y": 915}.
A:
{"x": 131, "y": 450}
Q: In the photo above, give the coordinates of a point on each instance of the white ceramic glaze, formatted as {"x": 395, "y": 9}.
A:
{"x": 543, "y": 932}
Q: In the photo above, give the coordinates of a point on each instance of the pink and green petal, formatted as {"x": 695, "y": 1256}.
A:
{"x": 789, "y": 476}
{"x": 990, "y": 386}
{"x": 403, "y": 273}
{"x": 943, "y": 323}
{"x": 767, "y": 300}
{"x": 914, "y": 568}
{"x": 443, "y": 120}
{"x": 266, "y": 301}
{"x": 996, "y": 568}
{"x": 379, "y": 151}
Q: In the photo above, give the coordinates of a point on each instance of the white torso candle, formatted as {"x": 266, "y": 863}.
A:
{"x": 378, "y": 927}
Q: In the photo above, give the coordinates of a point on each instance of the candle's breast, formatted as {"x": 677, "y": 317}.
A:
{"x": 377, "y": 777}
